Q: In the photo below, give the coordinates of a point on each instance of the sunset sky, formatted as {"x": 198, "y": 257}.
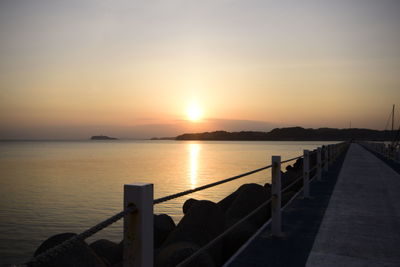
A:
{"x": 135, "y": 69}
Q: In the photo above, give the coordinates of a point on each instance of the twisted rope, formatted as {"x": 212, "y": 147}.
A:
{"x": 291, "y": 159}
{"x": 219, "y": 237}
{"x": 67, "y": 244}
{"x": 313, "y": 168}
{"x": 190, "y": 191}
{"x": 292, "y": 183}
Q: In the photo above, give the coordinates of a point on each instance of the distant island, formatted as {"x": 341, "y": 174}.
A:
{"x": 102, "y": 137}
{"x": 163, "y": 138}
{"x": 292, "y": 134}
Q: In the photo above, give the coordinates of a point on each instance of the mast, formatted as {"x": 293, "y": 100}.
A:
{"x": 393, "y": 119}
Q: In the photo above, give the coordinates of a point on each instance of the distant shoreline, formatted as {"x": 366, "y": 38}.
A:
{"x": 279, "y": 134}
{"x": 291, "y": 134}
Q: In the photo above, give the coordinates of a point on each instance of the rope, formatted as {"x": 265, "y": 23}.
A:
{"x": 219, "y": 237}
{"x": 313, "y": 168}
{"x": 67, "y": 244}
{"x": 291, "y": 159}
{"x": 291, "y": 184}
{"x": 190, "y": 191}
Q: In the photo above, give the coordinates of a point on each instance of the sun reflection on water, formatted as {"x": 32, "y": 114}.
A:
{"x": 194, "y": 151}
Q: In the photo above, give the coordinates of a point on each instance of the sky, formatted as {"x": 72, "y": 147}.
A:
{"x": 132, "y": 69}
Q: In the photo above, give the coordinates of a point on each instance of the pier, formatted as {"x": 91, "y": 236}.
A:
{"x": 352, "y": 219}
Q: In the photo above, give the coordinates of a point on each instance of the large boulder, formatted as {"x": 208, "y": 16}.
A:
{"x": 79, "y": 255}
{"x": 108, "y": 250}
{"x": 201, "y": 224}
{"x": 188, "y": 204}
{"x": 236, "y": 238}
{"x": 248, "y": 198}
{"x": 298, "y": 165}
{"x": 163, "y": 226}
{"x": 225, "y": 203}
{"x": 288, "y": 179}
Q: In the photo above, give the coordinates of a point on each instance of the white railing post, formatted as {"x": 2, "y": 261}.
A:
{"x": 138, "y": 226}
{"x": 326, "y": 159}
{"x": 319, "y": 164}
{"x": 306, "y": 174}
{"x": 276, "y": 196}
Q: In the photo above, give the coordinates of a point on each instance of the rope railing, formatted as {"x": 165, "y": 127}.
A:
{"x": 220, "y": 236}
{"x": 313, "y": 168}
{"x": 292, "y": 183}
{"x": 288, "y": 160}
{"x": 67, "y": 244}
{"x": 190, "y": 191}
{"x": 386, "y": 150}
{"x": 189, "y": 259}
{"x": 232, "y": 227}
{"x": 53, "y": 252}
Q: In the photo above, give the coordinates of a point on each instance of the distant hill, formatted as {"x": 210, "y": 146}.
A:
{"x": 163, "y": 138}
{"x": 292, "y": 134}
{"x": 102, "y": 137}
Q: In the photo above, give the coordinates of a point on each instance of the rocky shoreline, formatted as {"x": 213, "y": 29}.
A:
{"x": 203, "y": 220}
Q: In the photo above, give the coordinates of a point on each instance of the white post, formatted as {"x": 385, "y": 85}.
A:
{"x": 326, "y": 160}
{"x": 138, "y": 226}
{"x": 319, "y": 164}
{"x": 276, "y": 196}
{"x": 306, "y": 174}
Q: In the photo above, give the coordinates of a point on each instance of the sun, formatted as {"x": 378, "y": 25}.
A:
{"x": 194, "y": 112}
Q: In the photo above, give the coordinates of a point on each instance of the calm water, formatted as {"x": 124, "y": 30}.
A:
{"x": 53, "y": 187}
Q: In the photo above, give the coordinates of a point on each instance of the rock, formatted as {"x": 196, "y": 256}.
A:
{"x": 248, "y": 198}
{"x": 298, "y": 165}
{"x": 108, "y": 250}
{"x": 188, "y": 204}
{"x": 289, "y": 177}
{"x": 163, "y": 226}
{"x": 203, "y": 221}
{"x": 201, "y": 224}
{"x": 287, "y": 196}
{"x": 79, "y": 255}
{"x": 267, "y": 187}
{"x": 236, "y": 238}
{"x": 175, "y": 253}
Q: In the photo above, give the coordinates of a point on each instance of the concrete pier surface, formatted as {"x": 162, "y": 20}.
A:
{"x": 351, "y": 219}
{"x": 361, "y": 226}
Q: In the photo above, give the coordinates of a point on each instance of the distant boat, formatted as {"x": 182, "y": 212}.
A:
{"x": 102, "y": 137}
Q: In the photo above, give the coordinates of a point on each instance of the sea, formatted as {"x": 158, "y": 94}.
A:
{"x": 52, "y": 187}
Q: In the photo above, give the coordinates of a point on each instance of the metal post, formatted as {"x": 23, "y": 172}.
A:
{"x": 276, "y": 196}
{"x": 326, "y": 159}
{"x": 138, "y": 226}
{"x": 319, "y": 164}
{"x": 306, "y": 174}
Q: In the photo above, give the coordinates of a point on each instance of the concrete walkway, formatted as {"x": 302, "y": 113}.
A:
{"x": 361, "y": 225}
{"x": 301, "y": 221}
